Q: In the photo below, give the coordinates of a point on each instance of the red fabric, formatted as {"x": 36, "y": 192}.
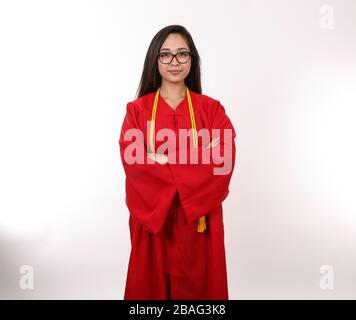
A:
{"x": 169, "y": 259}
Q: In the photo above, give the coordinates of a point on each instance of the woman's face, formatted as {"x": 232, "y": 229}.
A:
{"x": 173, "y": 44}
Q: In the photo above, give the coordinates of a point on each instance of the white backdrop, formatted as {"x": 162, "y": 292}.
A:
{"x": 284, "y": 71}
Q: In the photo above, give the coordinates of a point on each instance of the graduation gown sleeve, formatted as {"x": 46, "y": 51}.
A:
{"x": 150, "y": 188}
{"x": 200, "y": 189}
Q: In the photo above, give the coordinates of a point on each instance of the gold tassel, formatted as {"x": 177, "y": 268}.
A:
{"x": 201, "y": 224}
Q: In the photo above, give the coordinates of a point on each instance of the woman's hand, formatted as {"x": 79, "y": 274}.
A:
{"x": 158, "y": 157}
{"x": 213, "y": 143}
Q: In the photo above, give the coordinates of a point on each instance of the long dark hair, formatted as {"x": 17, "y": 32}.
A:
{"x": 151, "y": 78}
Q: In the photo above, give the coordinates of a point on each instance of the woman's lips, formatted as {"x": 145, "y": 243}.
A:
{"x": 174, "y": 72}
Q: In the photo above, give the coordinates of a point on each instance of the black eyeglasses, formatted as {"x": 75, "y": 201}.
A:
{"x": 167, "y": 57}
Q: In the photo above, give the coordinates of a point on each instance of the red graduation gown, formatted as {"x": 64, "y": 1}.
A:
{"x": 169, "y": 259}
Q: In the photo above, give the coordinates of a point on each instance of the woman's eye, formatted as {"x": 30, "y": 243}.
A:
{"x": 165, "y": 55}
{"x": 183, "y": 54}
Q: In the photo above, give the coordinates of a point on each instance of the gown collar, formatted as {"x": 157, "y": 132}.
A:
{"x": 164, "y": 108}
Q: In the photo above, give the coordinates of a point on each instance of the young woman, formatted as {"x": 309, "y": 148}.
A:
{"x": 175, "y": 204}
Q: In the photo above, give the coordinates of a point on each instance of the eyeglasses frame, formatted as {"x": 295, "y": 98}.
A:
{"x": 174, "y": 56}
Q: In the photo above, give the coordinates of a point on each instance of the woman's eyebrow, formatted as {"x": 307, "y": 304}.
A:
{"x": 177, "y": 49}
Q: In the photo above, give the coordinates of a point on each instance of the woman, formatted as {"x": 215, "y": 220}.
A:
{"x": 175, "y": 204}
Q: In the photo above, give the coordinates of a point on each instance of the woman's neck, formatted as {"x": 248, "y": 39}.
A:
{"x": 173, "y": 92}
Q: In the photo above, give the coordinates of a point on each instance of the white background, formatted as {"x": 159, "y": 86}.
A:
{"x": 67, "y": 70}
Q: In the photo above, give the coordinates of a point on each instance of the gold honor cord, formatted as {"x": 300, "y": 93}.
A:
{"x": 201, "y": 221}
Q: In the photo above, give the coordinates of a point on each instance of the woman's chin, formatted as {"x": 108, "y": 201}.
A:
{"x": 174, "y": 79}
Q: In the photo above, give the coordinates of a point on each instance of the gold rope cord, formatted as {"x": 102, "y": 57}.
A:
{"x": 201, "y": 221}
